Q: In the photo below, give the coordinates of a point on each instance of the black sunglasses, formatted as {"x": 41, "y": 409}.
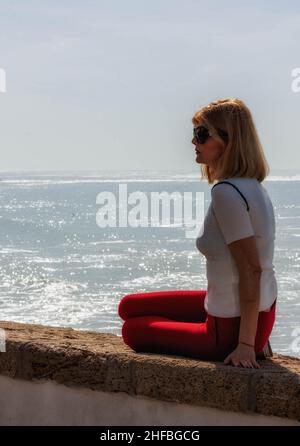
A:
{"x": 201, "y": 134}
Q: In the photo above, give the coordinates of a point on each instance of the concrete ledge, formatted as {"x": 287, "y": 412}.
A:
{"x": 102, "y": 362}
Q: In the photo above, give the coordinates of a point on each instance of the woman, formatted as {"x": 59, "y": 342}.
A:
{"x": 233, "y": 319}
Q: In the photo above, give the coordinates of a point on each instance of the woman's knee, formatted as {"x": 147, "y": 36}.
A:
{"x": 127, "y": 334}
{"x": 123, "y": 306}
{"x": 132, "y": 332}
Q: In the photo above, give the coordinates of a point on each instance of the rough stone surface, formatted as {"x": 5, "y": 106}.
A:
{"x": 102, "y": 361}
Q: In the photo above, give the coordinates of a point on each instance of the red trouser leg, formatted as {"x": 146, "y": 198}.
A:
{"x": 175, "y": 322}
{"x": 180, "y": 305}
{"x": 172, "y": 322}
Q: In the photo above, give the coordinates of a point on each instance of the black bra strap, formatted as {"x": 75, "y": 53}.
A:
{"x": 220, "y": 182}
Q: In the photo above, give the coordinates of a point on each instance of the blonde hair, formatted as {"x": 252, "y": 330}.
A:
{"x": 243, "y": 155}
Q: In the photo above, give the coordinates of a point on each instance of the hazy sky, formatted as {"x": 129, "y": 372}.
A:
{"x": 114, "y": 84}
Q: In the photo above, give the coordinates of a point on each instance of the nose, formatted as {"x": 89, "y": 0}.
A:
{"x": 193, "y": 141}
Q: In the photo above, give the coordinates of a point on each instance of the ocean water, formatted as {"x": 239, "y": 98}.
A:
{"x": 58, "y": 267}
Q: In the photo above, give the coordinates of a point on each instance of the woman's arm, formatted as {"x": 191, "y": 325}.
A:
{"x": 249, "y": 292}
{"x": 246, "y": 257}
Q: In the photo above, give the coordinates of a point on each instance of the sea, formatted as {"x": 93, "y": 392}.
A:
{"x": 60, "y": 265}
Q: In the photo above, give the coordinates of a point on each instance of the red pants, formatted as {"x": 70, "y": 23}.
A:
{"x": 175, "y": 322}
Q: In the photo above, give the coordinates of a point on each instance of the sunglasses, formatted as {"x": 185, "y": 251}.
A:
{"x": 201, "y": 134}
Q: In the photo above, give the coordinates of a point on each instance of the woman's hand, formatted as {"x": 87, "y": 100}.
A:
{"x": 244, "y": 356}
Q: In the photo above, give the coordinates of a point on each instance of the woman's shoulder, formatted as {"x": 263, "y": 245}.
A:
{"x": 241, "y": 189}
{"x": 244, "y": 182}
{"x": 240, "y": 180}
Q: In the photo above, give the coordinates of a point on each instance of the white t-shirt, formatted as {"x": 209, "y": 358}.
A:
{"x": 227, "y": 220}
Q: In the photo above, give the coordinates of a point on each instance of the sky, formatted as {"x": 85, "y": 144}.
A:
{"x": 113, "y": 85}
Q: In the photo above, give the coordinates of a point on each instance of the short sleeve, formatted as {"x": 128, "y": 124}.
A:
{"x": 231, "y": 213}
